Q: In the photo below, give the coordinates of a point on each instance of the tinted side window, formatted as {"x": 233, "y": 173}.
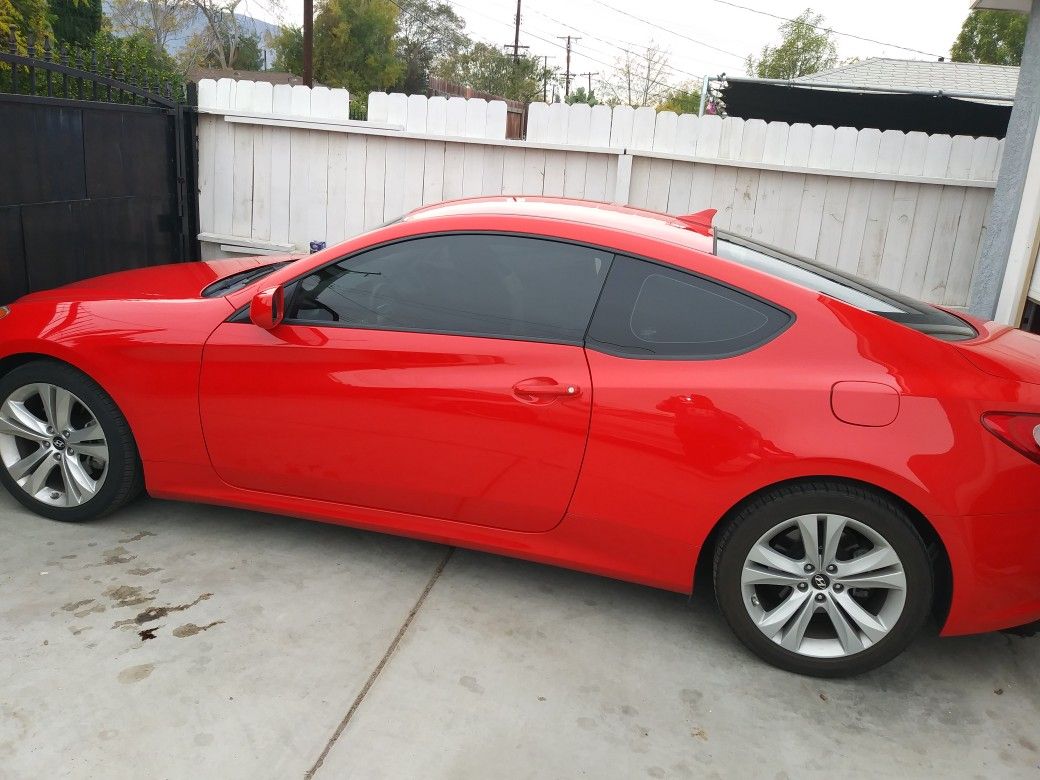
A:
{"x": 845, "y": 287}
{"x": 480, "y": 284}
{"x": 648, "y": 310}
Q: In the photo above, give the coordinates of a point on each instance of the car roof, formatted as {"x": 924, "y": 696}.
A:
{"x": 608, "y": 216}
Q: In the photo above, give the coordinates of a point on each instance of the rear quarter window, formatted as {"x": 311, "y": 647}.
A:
{"x": 849, "y": 289}
{"x": 654, "y": 311}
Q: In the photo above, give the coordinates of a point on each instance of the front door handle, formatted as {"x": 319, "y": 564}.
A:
{"x": 542, "y": 387}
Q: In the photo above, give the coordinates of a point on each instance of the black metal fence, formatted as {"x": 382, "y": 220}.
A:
{"x": 98, "y": 169}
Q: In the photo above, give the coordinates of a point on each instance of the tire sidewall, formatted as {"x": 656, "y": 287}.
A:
{"x": 121, "y": 456}
{"x": 884, "y": 518}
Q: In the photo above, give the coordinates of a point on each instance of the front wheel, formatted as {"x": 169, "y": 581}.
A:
{"x": 823, "y": 579}
{"x": 66, "y": 449}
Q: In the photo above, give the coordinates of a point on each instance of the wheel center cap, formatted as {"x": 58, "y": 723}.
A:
{"x": 58, "y": 442}
{"x": 820, "y": 581}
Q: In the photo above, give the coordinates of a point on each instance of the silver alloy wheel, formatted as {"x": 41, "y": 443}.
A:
{"x": 823, "y": 586}
{"x": 52, "y": 445}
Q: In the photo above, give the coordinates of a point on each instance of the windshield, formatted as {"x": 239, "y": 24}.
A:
{"x": 237, "y": 281}
{"x": 844, "y": 287}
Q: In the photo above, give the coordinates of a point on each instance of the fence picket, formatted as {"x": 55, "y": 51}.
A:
{"x": 836, "y": 196}
{"x": 767, "y": 203}
{"x": 724, "y": 183}
{"x": 951, "y": 201}
{"x": 473, "y": 156}
{"x": 496, "y": 119}
{"x": 262, "y": 103}
{"x": 814, "y": 192}
{"x": 354, "y": 206}
{"x": 224, "y": 160}
{"x": 644, "y": 123}
{"x": 335, "y": 214}
{"x": 753, "y": 141}
{"x": 971, "y": 228}
{"x": 890, "y": 153}
{"x": 433, "y": 159}
{"x": 513, "y": 172}
{"x": 854, "y": 224}
{"x": 281, "y": 165}
{"x": 579, "y": 126}
{"x": 375, "y": 173}
{"x": 901, "y": 213}
{"x": 534, "y": 172}
{"x": 936, "y": 161}
{"x": 681, "y": 183}
{"x": 910, "y": 212}
{"x": 622, "y": 125}
{"x": 659, "y": 182}
{"x": 538, "y": 122}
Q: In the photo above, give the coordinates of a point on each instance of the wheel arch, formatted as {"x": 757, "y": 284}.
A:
{"x": 14, "y": 360}
{"x": 942, "y": 567}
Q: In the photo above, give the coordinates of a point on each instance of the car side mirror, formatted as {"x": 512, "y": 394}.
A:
{"x": 267, "y": 309}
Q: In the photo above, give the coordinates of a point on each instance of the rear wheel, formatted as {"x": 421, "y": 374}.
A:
{"x": 824, "y": 579}
{"x": 66, "y": 449}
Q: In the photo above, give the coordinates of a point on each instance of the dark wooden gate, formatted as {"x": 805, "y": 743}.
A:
{"x": 97, "y": 172}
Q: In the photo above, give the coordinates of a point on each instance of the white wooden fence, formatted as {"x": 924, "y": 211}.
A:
{"x": 284, "y": 166}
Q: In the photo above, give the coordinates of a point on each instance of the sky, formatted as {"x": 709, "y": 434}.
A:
{"x": 700, "y": 36}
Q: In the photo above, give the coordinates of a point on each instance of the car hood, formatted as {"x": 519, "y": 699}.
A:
{"x": 174, "y": 281}
{"x": 1007, "y": 353}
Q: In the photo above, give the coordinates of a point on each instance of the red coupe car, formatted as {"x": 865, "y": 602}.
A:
{"x": 618, "y": 391}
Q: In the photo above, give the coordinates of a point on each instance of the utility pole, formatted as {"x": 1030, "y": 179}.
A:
{"x": 590, "y": 75}
{"x": 567, "y": 74}
{"x": 516, "y": 34}
{"x": 515, "y": 45}
{"x": 308, "y": 43}
{"x": 545, "y": 77}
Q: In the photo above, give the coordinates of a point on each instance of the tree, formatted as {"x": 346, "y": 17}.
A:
{"x": 27, "y": 19}
{"x": 683, "y": 100}
{"x": 288, "y": 49}
{"x": 218, "y": 42}
{"x": 246, "y": 51}
{"x": 991, "y": 37}
{"x": 157, "y": 20}
{"x": 76, "y": 22}
{"x": 804, "y": 48}
{"x": 426, "y": 33}
{"x": 485, "y": 68}
{"x": 355, "y": 45}
{"x": 638, "y": 78}
{"x": 579, "y": 95}
{"x": 137, "y": 52}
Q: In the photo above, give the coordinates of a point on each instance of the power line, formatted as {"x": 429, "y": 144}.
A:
{"x": 652, "y": 82}
{"x": 670, "y": 31}
{"x": 827, "y": 29}
{"x": 697, "y": 76}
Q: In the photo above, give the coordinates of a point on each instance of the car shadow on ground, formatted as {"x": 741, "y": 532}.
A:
{"x": 222, "y": 526}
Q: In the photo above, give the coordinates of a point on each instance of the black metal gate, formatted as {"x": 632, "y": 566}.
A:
{"x": 97, "y": 172}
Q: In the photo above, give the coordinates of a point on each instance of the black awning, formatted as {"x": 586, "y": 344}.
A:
{"x": 885, "y": 111}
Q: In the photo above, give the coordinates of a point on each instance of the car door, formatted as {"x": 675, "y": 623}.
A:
{"x": 441, "y": 376}
{"x": 688, "y": 397}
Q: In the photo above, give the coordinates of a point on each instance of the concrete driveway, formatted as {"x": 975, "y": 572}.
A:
{"x": 180, "y": 641}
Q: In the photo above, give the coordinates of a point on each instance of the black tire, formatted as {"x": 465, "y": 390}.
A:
{"x": 124, "y": 479}
{"x": 870, "y": 508}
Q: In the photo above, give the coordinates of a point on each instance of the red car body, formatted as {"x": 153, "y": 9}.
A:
{"x": 422, "y": 434}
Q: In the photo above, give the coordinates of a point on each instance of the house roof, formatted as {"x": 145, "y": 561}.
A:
{"x": 998, "y": 81}
{"x": 271, "y": 76}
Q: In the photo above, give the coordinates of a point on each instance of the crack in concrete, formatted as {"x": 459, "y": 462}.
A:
{"x": 309, "y": 774}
